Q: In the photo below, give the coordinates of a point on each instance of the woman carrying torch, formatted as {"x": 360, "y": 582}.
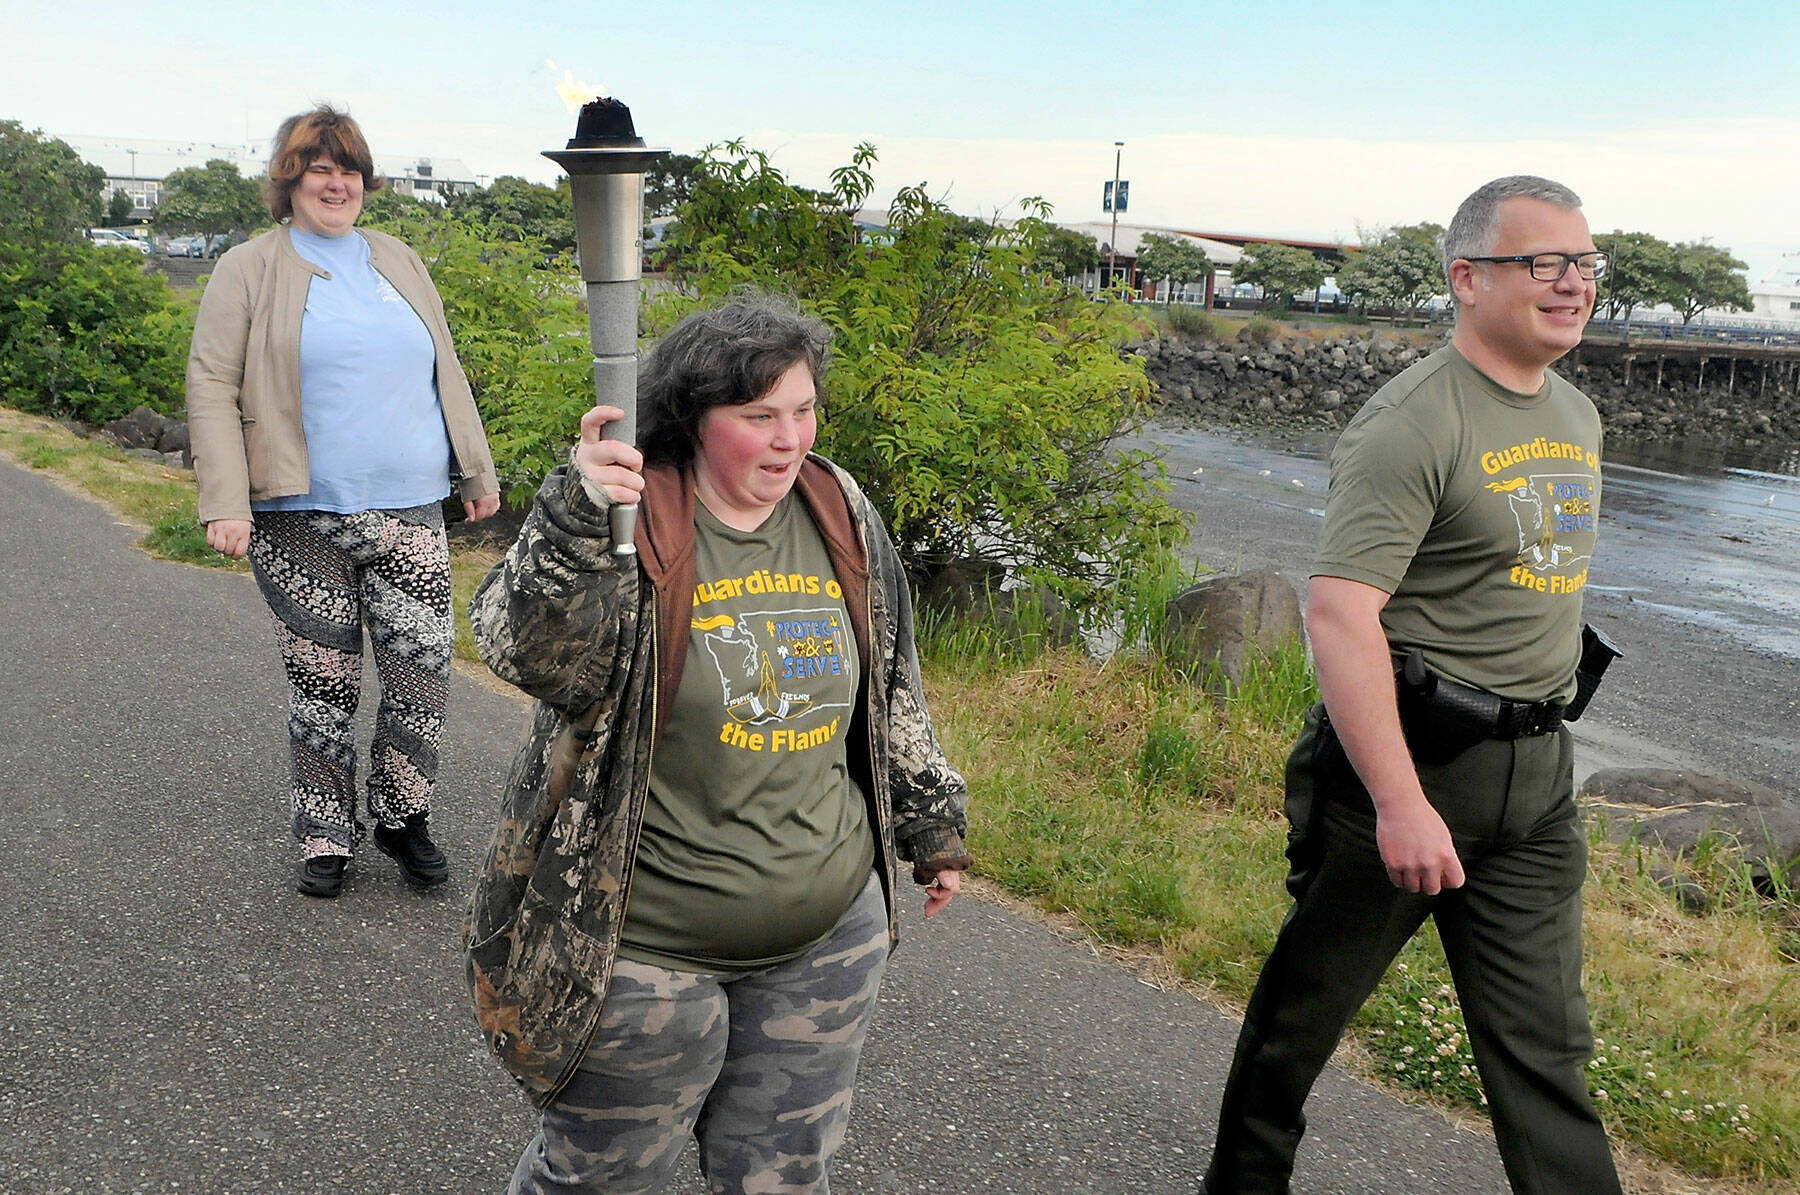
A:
{"x": 683, "y": 923}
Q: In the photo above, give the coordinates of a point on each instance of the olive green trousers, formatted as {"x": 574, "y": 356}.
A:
{"x": 1511, "y": 934}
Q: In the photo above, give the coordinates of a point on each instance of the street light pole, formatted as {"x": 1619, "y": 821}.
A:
{"x": 1112, "y": 245}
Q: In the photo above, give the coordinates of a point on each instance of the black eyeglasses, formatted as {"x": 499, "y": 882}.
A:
{"x": 1548, "y": 267}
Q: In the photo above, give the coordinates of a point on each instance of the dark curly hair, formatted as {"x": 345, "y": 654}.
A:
{"x": 726, "y": 356}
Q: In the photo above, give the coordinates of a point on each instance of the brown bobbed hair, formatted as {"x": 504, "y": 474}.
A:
{"x": 323, "y": 132}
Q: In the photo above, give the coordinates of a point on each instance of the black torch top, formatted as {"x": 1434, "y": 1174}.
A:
{"x": 604, "y": 123}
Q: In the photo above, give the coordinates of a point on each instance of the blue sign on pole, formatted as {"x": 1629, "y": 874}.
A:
{"x": 1106, "y": 204}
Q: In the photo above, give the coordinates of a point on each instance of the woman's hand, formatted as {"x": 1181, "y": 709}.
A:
{"x": 482, "y": 507}
{"x": 229, "y": 537}
{"x": 938, "y": 893}
{"x": 613, "y": 465}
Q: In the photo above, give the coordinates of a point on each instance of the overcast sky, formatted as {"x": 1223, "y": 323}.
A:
{"x": 1303, "y": 119}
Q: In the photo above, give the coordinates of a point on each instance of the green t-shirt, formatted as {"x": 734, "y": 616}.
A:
{"x": 1475, "y": 507}
{"x": 755, "y": 839}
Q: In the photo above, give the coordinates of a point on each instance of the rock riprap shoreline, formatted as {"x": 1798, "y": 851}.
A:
{"x": 1303, "y": 382}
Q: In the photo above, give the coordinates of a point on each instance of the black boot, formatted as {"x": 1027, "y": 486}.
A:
{"x": 322, "y": 875}
{"x": 411, "y": 847}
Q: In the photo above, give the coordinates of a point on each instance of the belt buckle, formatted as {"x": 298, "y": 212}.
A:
{"x": 1540, "y": 717}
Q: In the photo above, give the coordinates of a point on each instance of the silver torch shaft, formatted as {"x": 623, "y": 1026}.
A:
{"x": 605, "y": 162}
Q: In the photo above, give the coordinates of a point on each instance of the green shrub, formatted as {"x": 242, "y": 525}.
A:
{"x": 1261, "y": 329}
{"x": 1196, "y": 323}
{"x": 977, "y": 401}
{"x": 86, "y": 333}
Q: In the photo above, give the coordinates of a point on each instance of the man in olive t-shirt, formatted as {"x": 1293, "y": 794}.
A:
{"x": 1460, "y": 522}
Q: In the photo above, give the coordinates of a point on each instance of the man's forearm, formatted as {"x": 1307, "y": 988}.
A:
{"x": 1356, "y": 680}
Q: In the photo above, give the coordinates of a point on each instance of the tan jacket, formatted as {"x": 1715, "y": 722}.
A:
{"x": 243, "y": 374}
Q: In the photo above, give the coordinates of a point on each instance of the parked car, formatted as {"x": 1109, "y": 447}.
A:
{"x": 112, "y": 238}
{"x": 194, "y": 246}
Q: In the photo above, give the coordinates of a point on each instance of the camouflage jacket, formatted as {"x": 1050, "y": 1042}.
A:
{"x": 596, "y": 639}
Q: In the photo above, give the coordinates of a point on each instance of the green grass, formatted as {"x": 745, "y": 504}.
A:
{"x": 153, "y": 496}
{"x": 1147, "y": 808}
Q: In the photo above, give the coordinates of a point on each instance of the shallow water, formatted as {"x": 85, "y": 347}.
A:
{"x": 1704, "y": 533}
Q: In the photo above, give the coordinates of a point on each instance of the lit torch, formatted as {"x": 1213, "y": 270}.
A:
{"x": 605, "y": 162}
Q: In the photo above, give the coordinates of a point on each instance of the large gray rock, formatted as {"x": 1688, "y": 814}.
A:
{"x": 961, "y": 586}
{"x": 174, "y": 437}
{"x": 1678, "y": 810}
{"x": 1226, "y": 618}
{"x": 974, "y": 589}
{"x": 140, "y": 429}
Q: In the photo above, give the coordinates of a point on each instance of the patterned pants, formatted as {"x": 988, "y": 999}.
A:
{"x": 326, "y": 576}
{"x": 758, "y": 1067}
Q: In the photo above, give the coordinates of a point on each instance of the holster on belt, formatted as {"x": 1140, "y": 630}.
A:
{"x": 1597, "y": 652}
{"x": 1438, "y": 717}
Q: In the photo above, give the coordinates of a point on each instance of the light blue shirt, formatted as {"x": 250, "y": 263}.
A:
{"x": 375, "y": 435}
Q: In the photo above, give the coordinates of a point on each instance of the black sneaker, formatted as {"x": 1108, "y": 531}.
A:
{"x": 323, "y": 875}
{"x": 411, "y": 847}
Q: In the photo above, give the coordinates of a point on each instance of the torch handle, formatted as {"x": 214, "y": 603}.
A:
{"x": 622, "y": 516}
{"x": 612, "y": 316}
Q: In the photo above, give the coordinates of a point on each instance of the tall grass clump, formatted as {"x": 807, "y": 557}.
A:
{"x": 1261, "y": 328}
{"x": 1140, "y": 602}
{"x": 1196, "y": 324}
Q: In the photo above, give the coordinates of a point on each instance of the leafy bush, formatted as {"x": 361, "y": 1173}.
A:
{"x": 976, "y": 398}
{"x": 86, "y": 333}
{"x": 520, "y": 332}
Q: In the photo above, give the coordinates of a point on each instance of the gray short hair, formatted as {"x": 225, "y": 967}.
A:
{"x": 1475, "y": 228}
{"x": 727, "y": 355}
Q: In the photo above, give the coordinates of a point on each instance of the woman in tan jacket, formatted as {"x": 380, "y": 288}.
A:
{"x": 328, "y": 414}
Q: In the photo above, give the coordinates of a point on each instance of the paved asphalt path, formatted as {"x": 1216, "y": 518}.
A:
{"x": 175, "y": 1018}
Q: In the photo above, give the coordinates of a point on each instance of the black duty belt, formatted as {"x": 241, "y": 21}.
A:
{"x": 1505, "y": 719}
{"x": 1449, "y": 705}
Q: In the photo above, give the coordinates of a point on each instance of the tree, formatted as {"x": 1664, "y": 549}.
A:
{"x": 1399, "y": 268}
{"x": 669, "y": 184}
{"x": 119, "y": 209}
{"x": 1066, "y": 254}
{"x": 212, "y": 198}
{"x": 1707, "y": 276}
{"x": 1177, "y": 259}
{"x": 1641, "y": 272}
{"x": 47, "y": 193}
{"x": 1281, "y": 270}
{"x": 514, "y": 209}
{"x": 978, "y": 401}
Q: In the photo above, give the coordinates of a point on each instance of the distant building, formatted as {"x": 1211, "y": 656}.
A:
{"x": 1777, "y": 297}
{"x": 139, "y": 167}
{"x": 433, "y": 179}
{"x": 1123, "y": 256}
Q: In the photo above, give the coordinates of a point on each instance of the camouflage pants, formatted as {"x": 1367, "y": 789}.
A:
{"x": 325, "y": 576}
{"x": 758, "y": 1067}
